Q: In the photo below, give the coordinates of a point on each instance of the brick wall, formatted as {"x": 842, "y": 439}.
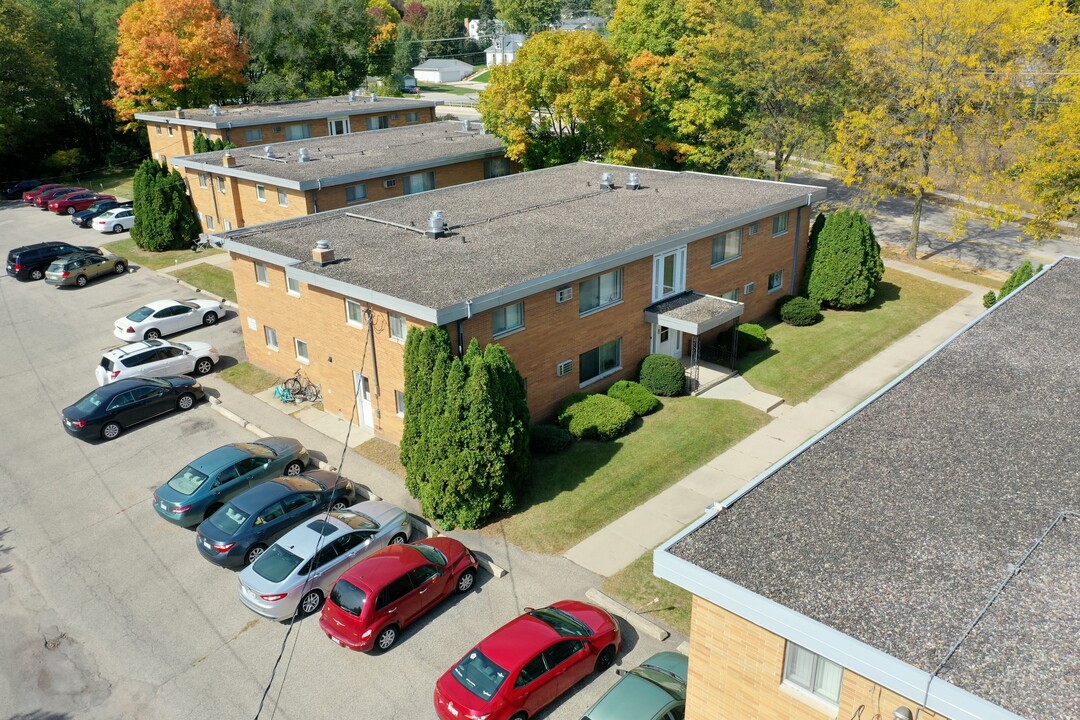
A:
{"x": 737, "y": 669}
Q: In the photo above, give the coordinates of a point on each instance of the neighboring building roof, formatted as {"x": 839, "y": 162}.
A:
{"x": 442, "y": 64}
{"x": 352, "y": 157}
{"x": 286, "y": 111}
{"x": 512, "y": 236}
{"x": 506, "y": 43}
{"x": 898, "y": 527}
{"x": 584, "y": 22}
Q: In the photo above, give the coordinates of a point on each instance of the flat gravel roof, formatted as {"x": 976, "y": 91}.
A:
{"x": 517, "y": 229}
{"x": 261, "y": 113}
{"x": 898, "y": 526}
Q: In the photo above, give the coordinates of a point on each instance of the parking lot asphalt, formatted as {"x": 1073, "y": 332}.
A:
{"x": 106, "y": 611}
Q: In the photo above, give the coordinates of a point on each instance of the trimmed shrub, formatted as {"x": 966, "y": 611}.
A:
{"x": 596, "y": 417}
{"x": 989, "y": 299}
{"x": 752, "y": 337}
{"x": 800, "y": 311}
{"x": 662, "y": 375}
{"x": 1020, "y": 276}
{"x": 846, "y": 266}
{"x": 571, "y": 399}
{"x": 550, "y": 439}
{"x": 779, "y": 306}
{"x": 636, "y": 397}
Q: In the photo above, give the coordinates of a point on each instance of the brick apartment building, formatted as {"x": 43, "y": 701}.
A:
{"x": 236, "y": 188}
{"x": 576, "y": 272}
{"x": 919, "y": 559}
{"x": 172, "y": 132}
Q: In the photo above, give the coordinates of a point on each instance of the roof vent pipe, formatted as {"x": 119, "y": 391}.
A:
{"x": 436, "y": 227}
{"x": 268, "y": 151}
{"x": 322, "y": 253}
{"x": 466, "y": 125}
{"x": 304, "y": 157}
{"x": 607, "y": 181}
{"x": 372, "y": 97}
{"x": 179, "y": 112}
{"x": 214, "y": 109}
{"x": 633, "y": 182}
{"x": 352, "y": 96}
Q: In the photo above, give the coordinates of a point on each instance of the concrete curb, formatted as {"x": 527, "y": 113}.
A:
{"x": 637, "y": 621}
{"x": 422, "y": 525}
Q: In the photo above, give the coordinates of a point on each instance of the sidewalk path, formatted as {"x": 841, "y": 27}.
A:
{"x": 614, "y": 547}
{"x": 219, "y": 259}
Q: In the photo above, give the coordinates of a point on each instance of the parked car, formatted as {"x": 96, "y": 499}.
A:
{"x": 116, "y": 220}
{"x": 15, "y": 191}
{"x": 411, "y": 90}
{"x": 204, "y": 485}
{"x": 108, "y": 411}
{"x": 295, "y": 573}
{"x": 165, "y": 317}
{"x": 84, "y": 218}
{"x": 155, "y": 358}
{"x": 30, "y": 262}
{"x": 238, "y": 533}
{"x": 80, "y": 268}
{"x": 74, "y": 202}
{"x": 526, "y": 664}
{"x": 382, "y": 594}
{"x": 654, "y": 690}
{"x": 43, "y": 199}
{"x": 29, "y": 196}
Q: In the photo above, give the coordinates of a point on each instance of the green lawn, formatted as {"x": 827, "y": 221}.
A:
{"x": 249, "y": 378}
{"x": 803, "y": 360}
{"x": 453, "y": 89}
{"x": 636, "y": 586}
{"x": 211, "y": 279}
{"x": 573, "y": 494}
{"x": 155, "y": 260}
{"x": 482, "y": 77}
{"x": 116, "y": 181}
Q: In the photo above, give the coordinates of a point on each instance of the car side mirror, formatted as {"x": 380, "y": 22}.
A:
{"x": 621, "y": 672}
{"x": 529, "y": 609}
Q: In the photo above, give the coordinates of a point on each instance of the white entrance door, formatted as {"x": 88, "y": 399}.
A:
{"x": 339, "y": 125}
{"x": 363, "y": 399}
{"x": 666, "y": 341}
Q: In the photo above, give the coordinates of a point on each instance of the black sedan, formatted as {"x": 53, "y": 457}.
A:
{"x": 15, "y": 191}
{"x": 238, "y": 533}
{"x": 85, "y": 218}
{"x": 108, "y": 410}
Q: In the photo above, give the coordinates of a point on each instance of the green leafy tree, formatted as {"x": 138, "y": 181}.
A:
{"x": 29, "y": 87}
{"x": 440, "y": 26}
{"x": 164, "y": 219}
{"x": 847, "y": 266}
{"x": 1019, "y": 276}
{"x": 203, "y": 144}
{"x": 406, "y": 50}
{"x": 647, "y": 25}
{"x": 528, "y": 16}
{"x": 811, "y": 247}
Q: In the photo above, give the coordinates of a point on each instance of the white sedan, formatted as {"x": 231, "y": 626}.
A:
{"x": 165, "y": 317}
{"x": 115, "y": 220}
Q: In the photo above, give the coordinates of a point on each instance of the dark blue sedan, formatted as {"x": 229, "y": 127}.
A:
{"x": 109, "y": 410}
{"x": 237, "y": 534}
{"x": 84, "y": 218}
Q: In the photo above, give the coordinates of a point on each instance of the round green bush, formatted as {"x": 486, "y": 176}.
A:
{"x": 596, "y": 417}
{"x": 752, "y": 337}
{"x": 989, "y": 299}
{"x": 549, "y": 439}
{"x": 778, "y": 307}
{"x": 800, "y": 311}
{"x": 662, "y": 375}
{"x": 636, "y": 397}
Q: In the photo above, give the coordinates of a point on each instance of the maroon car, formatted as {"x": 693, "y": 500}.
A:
{"x": 74, "y": 202}
{"x": 30, "y": 195}
{"x": 42, "y": 201}
{"x": 526, "y": 664}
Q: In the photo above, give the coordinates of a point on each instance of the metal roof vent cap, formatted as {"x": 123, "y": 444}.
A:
{"x": 607, "y": 181}
{"x": 322, "y": 253}
{"x": 268, "y": 151}
{"x": 436, "y": 226}
{"x": 214, "y": 109}
{"x": 304, "y": 157}
{"x": 179, "y": 111}
{"x": 633, "y": 182}
{"x": 352, "y": 96}
{"x": 372, "y": 97}
{"x": 466, "y": 125}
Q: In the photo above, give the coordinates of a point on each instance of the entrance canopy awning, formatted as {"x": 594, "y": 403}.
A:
{"x": 692, "y": 312}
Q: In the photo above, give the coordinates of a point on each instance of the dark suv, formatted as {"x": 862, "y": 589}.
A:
{"x": 29, "y": 262}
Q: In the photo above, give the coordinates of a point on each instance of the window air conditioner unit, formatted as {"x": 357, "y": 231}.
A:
{"x": 748, "y": 288}
{"x": 392, "y": 182}
{"x": 564, "y": 368}
{"x": 564, "y": 294}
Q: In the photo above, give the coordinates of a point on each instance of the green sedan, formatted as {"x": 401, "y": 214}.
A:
{"x": 654, "y": 690}
{"x": 80, "y": 268}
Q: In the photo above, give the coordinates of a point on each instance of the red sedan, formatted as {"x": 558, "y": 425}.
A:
{"x": 42, "y": 201}
{"x": 529, "y": 662}
{"x": 75, "y": 202}
{"x": 30, "y": 195}
{"x": 383, "y": 593}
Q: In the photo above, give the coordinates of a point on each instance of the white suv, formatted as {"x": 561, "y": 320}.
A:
{"x": 155, "y": 358}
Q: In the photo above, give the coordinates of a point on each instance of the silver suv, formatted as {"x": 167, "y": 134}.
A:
{"x": 155, "y": 358}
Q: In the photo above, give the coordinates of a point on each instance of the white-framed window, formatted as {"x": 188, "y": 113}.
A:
{"x": 300, "y": 131}
{"x": 228, "y": 225}
{"x": 508, "y": 319}
{"x": 301, "y": 350}
{"x": 170, "y": 130}
{"x": 338, "y": 125}
{"x": 779, "y": 224}
{"x": 354, "y": 313}
{"x": 271, "y": 337}
{"x": 282, "y": 198}
{"x": 399, "y": 398}
{"x": 260, "y": 274}
{"x": 418, "y": 183}
{"x": 727, "y": 247}
{"x": 600, "y": 361}
{"x": 399, "y": 328}
{"x": 293, "y": 286}
{"x": 810, "y": 672}
{"x": 221, "y": 185}
{"x": 412, "y": 117}
{"x": 202, "y": 180}
{"x": 754, "y": 229}
{"x": 732, "y": 295}
{"x": 260, "y": 192}
{"x": 776, "y": 280}
{"x": 600, "y": 291}
{"x": 669, "y": 273}
{"x": 253, "y": 135}
{"x": 209, "y": 222}
{"x": 497, "y": 167}
{"x": 356, "y": 193}
{"x": 379, "y": 122}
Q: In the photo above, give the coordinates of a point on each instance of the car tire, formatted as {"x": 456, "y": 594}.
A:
{"x": 465, "y": 581}
{"x": 117, "y": 228}
{"x": 253, "y": 553}
{"x": 152, "y": 334}
{"x": 119, "y": 268}
{"x": 294, "y": 468}
{"x": 71, "y": 210}
{"x": 339, "y": 505}
{"x": 209, "y": 318}
{"x": 111, "y": 431}
{"x": 204, "y": 366}
{"x": 521, "y": 716}
{"x": 185, "y": 402}
{"x": 211, "y": 510}
{"x": 386, "y": 638}
{"x": 605, "y": 659}
{"x": 398, "y": 539}
{"x": 80, "y": 281}
{"x": 310, "y": 602}
{"x": 37, "y": 274}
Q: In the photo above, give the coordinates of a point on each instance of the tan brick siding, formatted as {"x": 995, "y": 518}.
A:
{"x": 736, "y": 671}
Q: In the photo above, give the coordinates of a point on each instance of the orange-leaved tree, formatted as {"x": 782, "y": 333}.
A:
{"x": 175, "y": 53}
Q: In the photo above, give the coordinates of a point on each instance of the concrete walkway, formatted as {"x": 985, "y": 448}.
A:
{"x": 219, "y": 259}
{"x": 642, "y": 529}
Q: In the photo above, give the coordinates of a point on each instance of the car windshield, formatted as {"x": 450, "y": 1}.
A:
{"x": 228, "y": 519}
{"x": 140, "y": 314}
{"x": 276, "y": 563}
{"x": 187, "y": 481}
{"x": 89, "y": 403}
{"x": 479, "y": 675}
{"x": 348, "y": 597}
{"x": 431, "y": 554}
{"x": 562, "y": 622}
{"x": 96, "y": 206}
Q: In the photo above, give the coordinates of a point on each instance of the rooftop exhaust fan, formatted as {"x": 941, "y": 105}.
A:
{"x": 607, "y": 181}
{"x": 304, "y": 157}
{"x": 214, "y": 109}
{"x": 268, "y": 151}
{"x": 436, "y": 225}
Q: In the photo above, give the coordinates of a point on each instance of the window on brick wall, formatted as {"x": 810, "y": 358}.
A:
{"x": 209, "y": 222}
{"x": 412, "y": 117}
{"x": 776, "y": 280}
{"x": 301, "y": 350}
{"x": 600, "y": 291}
{"x": 779, "y": 224}
{"x": 356, "y": 193}
{"x": 221, "y": 184}
{"x": 508, "y": 319}
{"x": 170, "y": 130}
{"x": 810, "y": 672}
{"x": 271, "y": 337}
{"x": 253, "y": 135}
{"x": 158, "y": 128}
{"x": 726, "y": 247}
{"x": 260, "y": 274}
{"x": 202, "y": 180}
{"x": 260, "y": 192}
{"x": 354, "y": 313}
{"x": 399, "y": 398}
{"x": 418, "y": 183}
{"x": 497, "y": 167}
{"x": 293, "y": 286}
{"x": 300, "y": 131}
{"x": 399, "y": 328}
{"x": 282, "y": 198}
{"x": 380, "y": 122}
{"x": 600, "y": 361}
{"x": 228, "y": 225}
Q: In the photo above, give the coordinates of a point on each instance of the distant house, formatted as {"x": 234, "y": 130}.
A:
{"x": 503, "y": 49}
{"x": 474, "y": 29}
{"x": 442, "y": 70}
{"x": 585, "y": 22}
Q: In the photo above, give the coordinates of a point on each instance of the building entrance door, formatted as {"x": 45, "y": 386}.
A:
{"x": 667, "y": 341}
{"x": 363, "y": 400}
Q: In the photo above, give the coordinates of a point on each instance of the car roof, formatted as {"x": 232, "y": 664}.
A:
{"x": 114, "y": 389}
{"x": 518, "y": 641}
{"x": 161, "y": 304}
{"x": 379, "y": 569}
{"x": 316, "y": 532}
{"x": 135, "y": 347}
{"x": 261, "y": 495}
{"x": 632, "y": 696}
{"x": 218, "y": 458}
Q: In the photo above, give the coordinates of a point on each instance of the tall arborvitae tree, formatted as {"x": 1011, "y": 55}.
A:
{"x": 847, "y": 265}
{"x": 424, "y": 350}
{"x": 811, "y": 249}
{"x": 164, "y": 219}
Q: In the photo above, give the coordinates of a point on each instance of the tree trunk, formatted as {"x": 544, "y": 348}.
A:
{"x": 916, "y": 216}
{"x": 778, "y": 162}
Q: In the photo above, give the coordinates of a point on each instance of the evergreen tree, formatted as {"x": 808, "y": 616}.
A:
{"x": 512, "y": 408}
{"x": 164, "y": 219}
{"x": 811, "y": 248}
{"x": 424, "y": 350}
{"x": 847, "y": 265}
{"x": 203, "y": 144}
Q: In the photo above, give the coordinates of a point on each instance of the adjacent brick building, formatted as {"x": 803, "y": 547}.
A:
{"x": 236, "y": 188}
{"x": 580, "y": 271}
{"x": 172, "y": 132}
{"x": 917, "y": 560}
